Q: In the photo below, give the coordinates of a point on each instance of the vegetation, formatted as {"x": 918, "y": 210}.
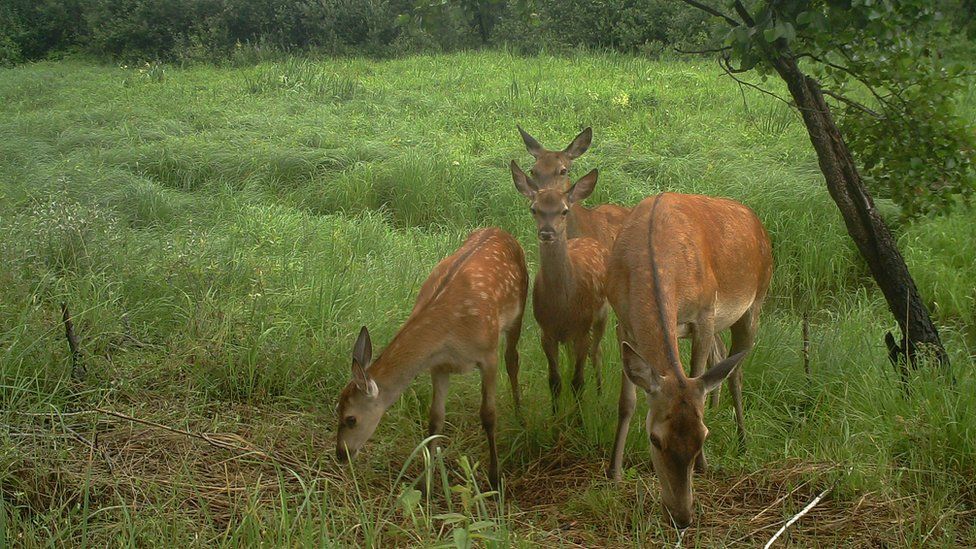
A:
{"x": 220, "y": 235}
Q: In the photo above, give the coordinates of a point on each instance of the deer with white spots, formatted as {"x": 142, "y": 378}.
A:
{"x": 569, "y": 294}
{"x": 471, "y": 298}
{"x": 683, "y": 266}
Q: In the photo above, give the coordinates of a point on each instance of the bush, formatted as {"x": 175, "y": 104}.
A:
{"x": 624, "y": 25}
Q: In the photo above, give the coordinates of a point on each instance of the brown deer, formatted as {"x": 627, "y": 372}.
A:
{"x": 601, "y": 223}
{"x": 683, "y": 266}
{"x": 569, "y": 294}
{"x": 470, "y": 299}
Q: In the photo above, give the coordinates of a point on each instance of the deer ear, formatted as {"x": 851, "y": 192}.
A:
{"x": 583, "y": 187}
{"x": 362, "y": 352}
{"x": 362, "y": 356}
{"x": 534, "y": 147}
{"x": 713, "y": 378}
{"x": 522, "y": 181}
{"x": 580, "y": 143}
{"x": 638, "y": 370}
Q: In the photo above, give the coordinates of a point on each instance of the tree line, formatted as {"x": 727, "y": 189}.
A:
{"x": 173, "y": 30}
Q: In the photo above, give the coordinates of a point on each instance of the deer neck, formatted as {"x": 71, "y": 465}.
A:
{"x": 413, "y": 351}
{"x": 556, "y": 268}
{"x": 655, "y": 331}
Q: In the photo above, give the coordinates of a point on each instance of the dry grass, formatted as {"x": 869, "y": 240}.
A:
{"x": 219, "y": 477}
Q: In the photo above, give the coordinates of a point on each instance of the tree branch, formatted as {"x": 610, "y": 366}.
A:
{"x": 744, "y": 14}
{"x": 712, "y": 11}
{"x": 724, "y": 63}
{"x": 851, "y": 103}
{"x": 699, "y": 52}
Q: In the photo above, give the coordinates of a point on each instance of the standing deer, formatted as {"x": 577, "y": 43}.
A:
{"x": 470, "y": 299}
{"x": 683, "y": 266}
{"x": 569, "y": 295}
{"x": 601, "y": 223}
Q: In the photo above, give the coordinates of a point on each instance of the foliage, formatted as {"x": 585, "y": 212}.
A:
{"x": 220, "y": 249}
{"x": 218, "y": 29}
{"x": 882, "y": 60}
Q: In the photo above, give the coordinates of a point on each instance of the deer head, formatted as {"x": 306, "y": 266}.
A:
{"x": 360, "y": 406}
{"x": 674, "y": 425}
{"x": 550, "y": 166}
{"x": 550, "y": 205}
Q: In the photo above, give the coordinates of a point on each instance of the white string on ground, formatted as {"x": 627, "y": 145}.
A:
{"x": 795, "y": 518}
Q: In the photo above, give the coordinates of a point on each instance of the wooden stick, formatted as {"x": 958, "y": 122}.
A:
{"x": 77, "y": 368}
{"x": 806, "y": 344}
{"x": 795, "y": 518}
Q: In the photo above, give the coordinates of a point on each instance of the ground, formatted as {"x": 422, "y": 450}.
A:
{"x": 220, "y": 233}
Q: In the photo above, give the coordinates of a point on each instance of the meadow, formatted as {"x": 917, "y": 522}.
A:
{"x": 220, "y": 233}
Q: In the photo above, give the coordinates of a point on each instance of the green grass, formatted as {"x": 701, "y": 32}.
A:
{"x": 220, "y": 235}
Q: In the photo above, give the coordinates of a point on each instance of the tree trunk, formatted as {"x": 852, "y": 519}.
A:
{"x": 864, "y": 224}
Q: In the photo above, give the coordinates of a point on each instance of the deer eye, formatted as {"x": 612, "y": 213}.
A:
{"x": 565, "y": 212}
{"x": 655, "y": 441}
{"x": 562, "y": 171}
{"x": 532, "y": 209}
{"x": 349, "y": 421}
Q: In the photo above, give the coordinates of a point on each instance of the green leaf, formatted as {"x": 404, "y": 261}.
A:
{"x": 460, "y": 538}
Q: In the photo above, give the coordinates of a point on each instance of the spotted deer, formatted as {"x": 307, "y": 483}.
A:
{"x": 569, "y": 294}
{"x": 470, "y": 299}
{"x": 551, "y": 168}
{"x": 683, "y": 266}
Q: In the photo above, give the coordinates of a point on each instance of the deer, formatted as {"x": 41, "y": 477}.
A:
{"x": 551, "y": 168}
{"x": 469, "y": 300}
{"x": 569, "y": 293}
{"x": 601, "y": 222}
{"x": 683, "y": 266}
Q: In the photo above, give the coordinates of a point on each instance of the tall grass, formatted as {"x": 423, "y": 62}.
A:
{"x": 220, "y": 235}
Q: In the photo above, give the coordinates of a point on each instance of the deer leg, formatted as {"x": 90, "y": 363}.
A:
{"x": 488, "y": 379}
{"x": 719, "y": 353}
{"x": 438, "y": 402}
{"x": 439, "y": 380}
{"x": 702, "y": 345}
{"x": 581, "y": 346}
{"x": 743, "y": 337}
{"x": 551, "y": 347}
{"x": 596, "y": 353}
{"x": 625, "y": 411}
{"x": 512, "y": 336}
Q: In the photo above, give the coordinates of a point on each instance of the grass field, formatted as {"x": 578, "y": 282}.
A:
{"x": 220, "y": 234}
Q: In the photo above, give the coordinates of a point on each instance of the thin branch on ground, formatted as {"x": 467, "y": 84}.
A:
{"x": 795, "y": 518}
{"x": 225, "y": 441}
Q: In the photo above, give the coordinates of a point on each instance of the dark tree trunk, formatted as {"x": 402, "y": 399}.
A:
{"x": 864, "y": 224}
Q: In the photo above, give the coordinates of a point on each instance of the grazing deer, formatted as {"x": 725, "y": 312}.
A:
{"x": 683, "y": 266}
{"x": 601, "y": 223}
{"x": 569, "y": 295}
{"x": 470, "y": 299}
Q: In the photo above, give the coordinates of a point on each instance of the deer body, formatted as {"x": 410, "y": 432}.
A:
{"x": 683, "y": 266}
{"x": 569, "y": 294}
{"x": 469, "y": 300}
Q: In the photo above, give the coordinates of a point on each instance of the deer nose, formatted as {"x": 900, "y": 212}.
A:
{"x": 341, "y": 454}
{"x": 681, "y": 519}
{"x": 547, "y": 235}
